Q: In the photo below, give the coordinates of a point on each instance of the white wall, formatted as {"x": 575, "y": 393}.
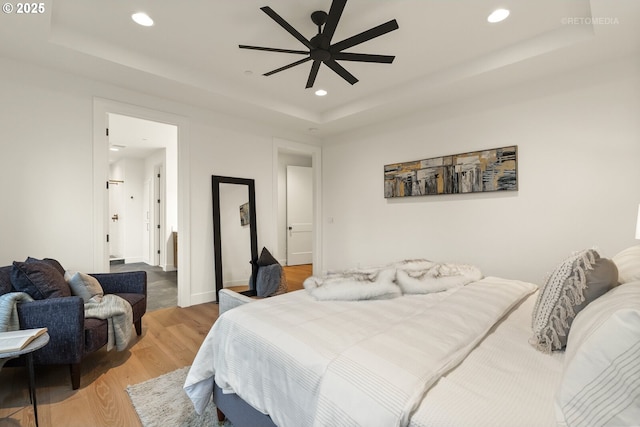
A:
{"x": 578, "y": 138}
{"x": 46, "y": 169}
{"x": 232, "y": 153}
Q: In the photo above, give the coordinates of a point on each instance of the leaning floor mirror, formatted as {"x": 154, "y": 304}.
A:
{"x": 235, "y": 241}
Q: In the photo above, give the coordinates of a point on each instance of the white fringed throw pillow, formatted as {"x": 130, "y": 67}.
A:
{"x": 575, "y": 282}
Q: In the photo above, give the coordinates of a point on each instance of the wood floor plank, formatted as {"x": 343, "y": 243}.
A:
{"x": 108, "y": 406}
{"x": 296, "y": 275}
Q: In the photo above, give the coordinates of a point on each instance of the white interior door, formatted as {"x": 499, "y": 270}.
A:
{"x": 147, "y": 202}
{"x": 157, "y": 214}
{"x": 116, "y": 208}
{"x": 299, "y": 215}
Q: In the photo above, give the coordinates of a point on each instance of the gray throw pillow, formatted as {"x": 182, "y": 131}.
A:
{"x": 268, "y": 280}
{"x": 52, "y": 262}
{"x": 271, "y": 279}
{"x": 282, "y": 287}
{"x": 266, "y": 258}
{"x": 85, "y": 286}
{"x": 576, "y": 281}
{"x": 39, "y": 279}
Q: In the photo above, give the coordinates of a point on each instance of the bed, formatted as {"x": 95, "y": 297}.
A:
{"x": 458, "y": 357}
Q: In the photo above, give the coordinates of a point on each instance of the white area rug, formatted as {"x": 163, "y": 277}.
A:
{"x": 161, "y": 402}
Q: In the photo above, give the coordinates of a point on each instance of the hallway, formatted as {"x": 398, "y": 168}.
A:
{"x": 162, "y": 286}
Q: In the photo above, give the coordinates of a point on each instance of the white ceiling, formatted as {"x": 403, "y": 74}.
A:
{"x": 138, "y": 138}
{"x": 445, "y": 50}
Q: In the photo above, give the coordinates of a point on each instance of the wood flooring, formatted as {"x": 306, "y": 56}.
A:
{"x": 170, "y": 340}
{"x": 296, "y": 274}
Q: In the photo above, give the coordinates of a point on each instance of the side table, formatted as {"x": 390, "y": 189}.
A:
{"x": 34, "y": 345}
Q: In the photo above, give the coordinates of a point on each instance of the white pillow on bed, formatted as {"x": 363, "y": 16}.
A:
{"x": 601, "y": 378}
{"x": 628, "y": 263}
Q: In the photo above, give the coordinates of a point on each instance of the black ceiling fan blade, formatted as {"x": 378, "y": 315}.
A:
{"x": 313, "y": 74}
{"x": 337, "y": 6}
{"x": 365, "y": 36}
{"x": 363, "y": 57}
{"x": 340, "y": 70}
{"x": 284, "y": 24}
{"x": 293, "y": 64}
{"x": 271, "y": 49}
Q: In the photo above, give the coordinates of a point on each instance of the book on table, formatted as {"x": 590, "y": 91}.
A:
{"x": 17, "y": 340}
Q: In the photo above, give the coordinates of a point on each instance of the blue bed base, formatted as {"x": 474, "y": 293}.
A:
{"x": 239, "y": 412}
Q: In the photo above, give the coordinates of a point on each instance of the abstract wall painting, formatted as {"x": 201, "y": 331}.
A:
{"x": 244, "y": 214}
{"x": 495, "y": 169}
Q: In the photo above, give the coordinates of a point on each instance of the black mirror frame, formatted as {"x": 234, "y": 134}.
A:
{"x": 216, "y": 180}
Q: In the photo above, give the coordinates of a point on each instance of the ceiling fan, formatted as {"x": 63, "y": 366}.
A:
{"x": 320, "y": 50}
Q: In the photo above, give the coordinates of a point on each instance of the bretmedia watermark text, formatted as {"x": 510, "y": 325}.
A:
{"x": 595, "y": 20}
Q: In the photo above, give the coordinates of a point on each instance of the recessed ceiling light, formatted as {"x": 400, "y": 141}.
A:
{"x": 498, "y": 15}
{"x": 142, "y": 19}
{"x": 116, "y": 147}
{"x": 321, "y": 92}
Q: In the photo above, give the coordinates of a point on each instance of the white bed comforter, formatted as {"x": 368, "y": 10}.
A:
{"x": 366, "y": 363}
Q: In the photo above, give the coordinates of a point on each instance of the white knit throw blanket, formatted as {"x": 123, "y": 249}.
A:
{"x": 563, "y": 289}
{"x": 119, "y": 315}
{"x": 9, "y": 310}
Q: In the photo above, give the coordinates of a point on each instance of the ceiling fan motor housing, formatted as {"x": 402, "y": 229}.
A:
{"x": 321, "y": 51}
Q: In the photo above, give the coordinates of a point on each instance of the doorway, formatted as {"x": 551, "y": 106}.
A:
{"x": 143, "y": 203}
{"x": 299, "y": 214}
{"x": 101, "y": 109}
{"x": 289, "y": 153}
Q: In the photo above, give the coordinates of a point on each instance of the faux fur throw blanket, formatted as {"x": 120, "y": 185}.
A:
{"x": 9, "y": 310}
{"x": 354, "y": 285}
{"x": 119, "y": 317}
{"x": 417, "y": 276}
{"x": 421, "y": 276}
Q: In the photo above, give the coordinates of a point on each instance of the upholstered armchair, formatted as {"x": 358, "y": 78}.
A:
{"x": 72, "y": 335}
